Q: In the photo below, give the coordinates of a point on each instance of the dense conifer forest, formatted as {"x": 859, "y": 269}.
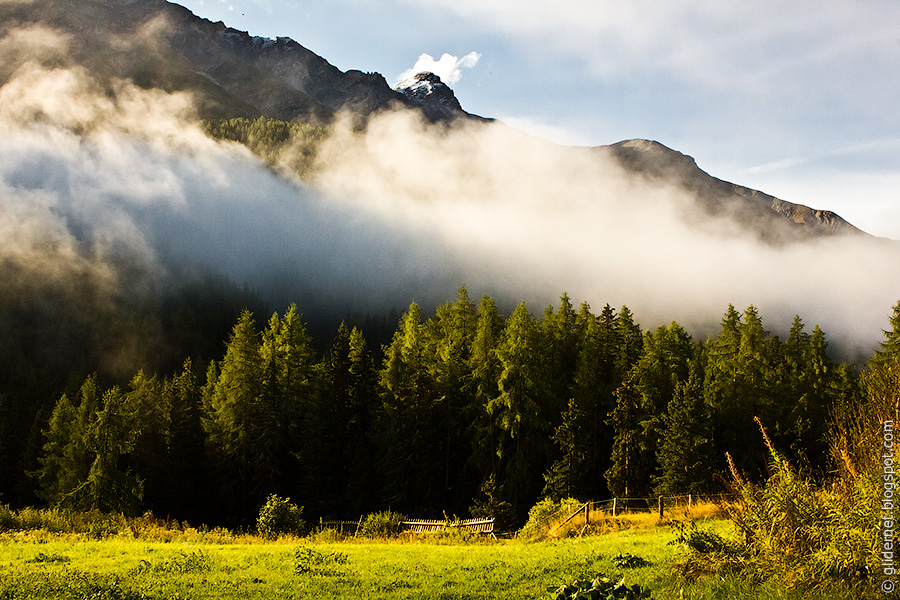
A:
{"x": 465, "y": 411}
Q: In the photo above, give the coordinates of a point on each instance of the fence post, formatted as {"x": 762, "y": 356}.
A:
{"x": 660, "y": 507}
{"x": 587, "y": 514}
{"x": 614, "y": 507}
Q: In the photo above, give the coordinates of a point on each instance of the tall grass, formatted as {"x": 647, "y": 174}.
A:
{"x": 99, "y": 525}
{"x": 806, "y": 535}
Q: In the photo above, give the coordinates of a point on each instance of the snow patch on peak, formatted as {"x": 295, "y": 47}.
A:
{"x": 427, "y": 88}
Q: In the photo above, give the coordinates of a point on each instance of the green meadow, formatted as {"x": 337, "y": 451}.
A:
{"x": 124, "y": 567}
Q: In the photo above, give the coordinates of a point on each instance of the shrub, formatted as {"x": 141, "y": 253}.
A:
{"x": 630, "y": 561}
{"x": 280, "y": 516}
{"x": 309, "y": 560}
{"x": 382, "y": 524}
{"x": 545, "y": 514}
{"x": 599, "y": 588}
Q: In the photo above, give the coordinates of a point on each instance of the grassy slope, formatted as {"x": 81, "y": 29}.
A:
{"x": 124, "y": 568}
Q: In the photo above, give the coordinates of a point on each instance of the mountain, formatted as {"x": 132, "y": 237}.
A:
{"x": 162, "y": 45}
{"x": 772, "y": 219}
{"x": 433, "y": 96}
{"x": 230, "y": 73}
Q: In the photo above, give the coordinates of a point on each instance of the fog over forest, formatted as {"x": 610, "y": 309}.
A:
{"x": 119, "y": 186}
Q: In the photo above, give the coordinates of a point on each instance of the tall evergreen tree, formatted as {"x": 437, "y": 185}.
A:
{"x": 628, "y": 475}
{"x": 484, "y": 433}
{"x": 685, "y": 454}
{"x": 67, "y": 459}
{"x": 186, "y": 458}
{"x": 347, "y": 454}
{"x": 149, "y": 403}
{"x": 59, "y": 468}
{"x": 110, "y": 487}
{"x": 409, "y": 423}
{"x": 244, "y": 462}
{"x": 520, "y": 409}
{"x": 452, "y": 331}
{"x": 891, "y": 344}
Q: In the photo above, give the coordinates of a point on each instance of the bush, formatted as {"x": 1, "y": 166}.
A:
{"x": 599, "y": 588}
{"x": 545, "y": 514}
{"x": 789, "y": 529}
{"x": 280, "y": 516}
{"x": 382, "y": 524}
{"x": 311, "y": 561}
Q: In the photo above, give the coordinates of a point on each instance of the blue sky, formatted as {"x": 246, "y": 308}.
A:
{"x": 798, "y": 99}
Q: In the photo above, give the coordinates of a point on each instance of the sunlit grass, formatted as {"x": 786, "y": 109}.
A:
{"x": 125, "y": 567}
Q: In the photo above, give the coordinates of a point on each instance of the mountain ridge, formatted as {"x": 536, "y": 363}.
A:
{"x": 234, "y": 74}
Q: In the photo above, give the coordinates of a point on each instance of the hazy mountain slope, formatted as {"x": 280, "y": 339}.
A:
{"x": 163, "y": 45}
{"x": 230, "y": 73}
{"x": 772, "y": 219}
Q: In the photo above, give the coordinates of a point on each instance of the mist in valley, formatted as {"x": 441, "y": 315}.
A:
{"x": 112, "y": 196}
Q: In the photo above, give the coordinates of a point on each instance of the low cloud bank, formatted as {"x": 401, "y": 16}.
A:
{"x": 121, "y": 184}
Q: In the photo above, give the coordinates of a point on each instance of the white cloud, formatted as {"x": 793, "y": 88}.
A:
{"x": 448, "y": 67}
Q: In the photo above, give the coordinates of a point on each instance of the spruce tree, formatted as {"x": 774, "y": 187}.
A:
{"x": 409, "y": 423}
{"x": 243, "y": 460}
{"x": 628, "y": 475}
{"x": 108, "y": 486}
{"x": 187, "y": 477}
{"x": 520, "y": 409}
{"x": 685, "y": 454}
{"x": 57, "y": 474}
{"x": 891, "y": 344}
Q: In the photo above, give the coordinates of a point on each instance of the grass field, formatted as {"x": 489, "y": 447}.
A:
{"x": 40, "y": 565}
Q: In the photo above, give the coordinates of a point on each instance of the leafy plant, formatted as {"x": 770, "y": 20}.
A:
{"x": 543, "y": 514}
{"x": 599, "y": 588}
{"x": 309, "y": 560}
{"x": 278, "y": 516}
{"x": 382, "y": 524}
{"x": 184, "y": 562}
{"x": 698, "y": 540}
{"x": 49, "y": 558}
{"x": 630, "y": 561}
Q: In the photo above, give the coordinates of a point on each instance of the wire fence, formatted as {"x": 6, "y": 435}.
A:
{"x": 587, "y": 512}
{"x": 597, "y": 510}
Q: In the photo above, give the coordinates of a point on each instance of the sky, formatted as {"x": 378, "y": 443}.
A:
{"x": 797, "y": 99}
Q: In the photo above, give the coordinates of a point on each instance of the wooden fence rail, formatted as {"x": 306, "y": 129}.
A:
{"x": 485, "y": 526}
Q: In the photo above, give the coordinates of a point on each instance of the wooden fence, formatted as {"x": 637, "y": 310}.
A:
{"x": 485, "y": 526}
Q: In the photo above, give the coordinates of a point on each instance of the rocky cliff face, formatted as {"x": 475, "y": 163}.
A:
{"x": 773, "y": 220}
{"x": 231, "y": 73}
{"x": 434, "y": 96}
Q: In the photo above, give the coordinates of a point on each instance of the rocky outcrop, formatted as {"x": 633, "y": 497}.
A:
{"x": 435, "y": 97}
{"x": 771, "y": 219}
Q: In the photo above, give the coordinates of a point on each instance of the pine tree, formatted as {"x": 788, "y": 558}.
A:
{"x": 186, "y": 458}
{"x": 891, "y": 344}
{"x": 561, "y": 335}
{"x": 409, "y": 425}
{"x": 685, "y": 454}
{"x": 244, "y": 463}
{"x": 111, "y": 436}
{"x": 484, "y": 369}
{"x": 628, "y": 475}
{"x": 351, "y": 400}
{"x": 567, "y": 475}
{"x": 67, "y": 460}
{"x": 57, "y": 475}
{"x": 452, "y": 331}
{"x": 520, "y": 409}
{"x": 150, "y": 408}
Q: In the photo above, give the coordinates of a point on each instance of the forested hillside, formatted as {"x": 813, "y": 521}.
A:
{"x": 464, "y": 411}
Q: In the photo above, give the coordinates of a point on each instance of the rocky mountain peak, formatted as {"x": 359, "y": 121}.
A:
{"x": 434, "y": 96}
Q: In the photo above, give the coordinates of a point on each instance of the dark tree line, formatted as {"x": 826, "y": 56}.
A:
{"x": 467, "y": 411}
